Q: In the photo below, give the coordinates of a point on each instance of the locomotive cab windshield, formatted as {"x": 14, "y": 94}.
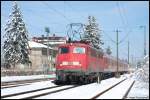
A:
{"x": 63, "y": 50}
{"x": 75, "y": 50}
{"x": 80, "y": 50}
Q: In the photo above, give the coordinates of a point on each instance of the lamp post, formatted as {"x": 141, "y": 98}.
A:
{"x": 47, "y": 31}
{"x": 117, "y": 73}
{"x": 144, "y": 27}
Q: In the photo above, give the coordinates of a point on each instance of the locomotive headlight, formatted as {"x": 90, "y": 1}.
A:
{"x": 64, "y": 63}
{"x": 75, "y": 63}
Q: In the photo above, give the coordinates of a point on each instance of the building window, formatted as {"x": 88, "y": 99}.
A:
{"x": 44, "y": 51}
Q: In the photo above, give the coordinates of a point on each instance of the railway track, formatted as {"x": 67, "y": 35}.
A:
{"x": 112, "y": 87}
{"x": 50, "y": 90}
{"x": 38, "y": 92}
{"x": 20, "y": 93}
{"x": 9, "y": 86}
{"x": 22, "y": 83}
{"x": 126, "y": 94}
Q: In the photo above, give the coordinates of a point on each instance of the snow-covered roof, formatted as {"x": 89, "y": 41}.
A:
{"x": 33, "y": 44}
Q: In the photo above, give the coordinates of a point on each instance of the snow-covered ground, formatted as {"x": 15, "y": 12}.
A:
{"x": 139, "y": 90}
{"x": 81, "y": 92}
{"x": 122, "y": 88}
{"x": 85, "y": 91}
{"x": 17, "y": 78}
{"x": 38, "y": 92}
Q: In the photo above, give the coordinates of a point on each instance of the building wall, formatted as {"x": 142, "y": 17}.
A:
{"x": 36, "y": 58}
{"x": 39, "y": 59}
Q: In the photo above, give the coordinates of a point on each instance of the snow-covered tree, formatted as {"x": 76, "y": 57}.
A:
{"x": 16, "y": 38}
{"x": 142, "y": 73}
{"x": 139, "y": 64}
{"x": 92, "y": 33}
{"x": 108, "y": 50}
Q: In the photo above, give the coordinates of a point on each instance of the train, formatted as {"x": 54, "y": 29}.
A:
{"x": 81, "y": 63}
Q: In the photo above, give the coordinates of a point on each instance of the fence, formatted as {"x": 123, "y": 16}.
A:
{"x": 9, "y": 72}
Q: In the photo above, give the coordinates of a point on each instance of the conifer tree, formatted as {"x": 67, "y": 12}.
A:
{"x": 16, "y": 38}
{"x": 92, "y": 33}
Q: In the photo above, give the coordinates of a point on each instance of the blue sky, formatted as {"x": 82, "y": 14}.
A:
{"x": 133, "y": 14}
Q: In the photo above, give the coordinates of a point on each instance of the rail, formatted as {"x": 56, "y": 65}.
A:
{"x": 107, "y": 89}
{"x": 15, "y": 94}
{"x": 117, "y": 86}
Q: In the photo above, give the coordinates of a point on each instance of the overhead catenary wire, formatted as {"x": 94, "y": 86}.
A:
{"x": 61, "y": 14}
{"x": 108, "y": 36}
{"x": 123, "y": 39}
{"x": 123, "y": 10}
{"x": 42, "y": 18}
{"x": 122, "y": 18}
{"x": 53, "y": 9}
{"x": 124, "y": 21}
{"x": 130, "y": 29}
{"x": 70, "y": 6}
{"x": 27, "y": 25}
{"x": 39, "y": 16}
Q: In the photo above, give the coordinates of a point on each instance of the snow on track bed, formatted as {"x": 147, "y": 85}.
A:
{"x": 84, "y": 91}
{"x": 80, "y": 92}
{"x": 37, "y": 93}
{"x": 123, "y": 88}
{"x": 21, "y": 83}
{"x": 107, "y": 89}
{"x": 32, "y": 86}
{"x": 15, "y": 94}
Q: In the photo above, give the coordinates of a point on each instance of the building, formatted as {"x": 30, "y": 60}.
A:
{"x": 40, "y": 56}
{"x": 53, "y": 41}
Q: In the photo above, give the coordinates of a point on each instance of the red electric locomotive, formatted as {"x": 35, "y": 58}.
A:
{"x": 79, "y": 62}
